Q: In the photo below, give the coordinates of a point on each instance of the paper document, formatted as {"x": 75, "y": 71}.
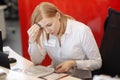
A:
{"x": 36, "y": 71}
{"x": 55, "y": 76}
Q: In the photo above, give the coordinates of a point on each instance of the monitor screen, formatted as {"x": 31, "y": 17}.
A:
{"x": 4, "y": 60}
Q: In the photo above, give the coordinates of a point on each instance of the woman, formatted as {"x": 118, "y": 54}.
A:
{"x": 69, "y": 43}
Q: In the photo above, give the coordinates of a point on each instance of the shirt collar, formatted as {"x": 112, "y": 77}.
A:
{"x": 68, "y": 27}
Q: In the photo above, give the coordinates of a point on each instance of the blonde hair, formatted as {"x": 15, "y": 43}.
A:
{"x": 49, "y": 10}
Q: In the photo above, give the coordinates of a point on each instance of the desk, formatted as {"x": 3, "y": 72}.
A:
{"x": 12, "y": 75}
{"x": 23, "y": 63}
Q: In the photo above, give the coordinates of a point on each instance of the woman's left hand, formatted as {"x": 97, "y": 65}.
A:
{"x": 65, "y": 66}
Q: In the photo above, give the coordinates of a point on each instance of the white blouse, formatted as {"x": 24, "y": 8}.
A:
{"x": 77, "y": 43}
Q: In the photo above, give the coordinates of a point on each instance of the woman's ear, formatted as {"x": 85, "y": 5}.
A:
{"x": 58, "y": 15}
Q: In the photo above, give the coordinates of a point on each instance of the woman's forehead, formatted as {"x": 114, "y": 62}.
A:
{"x": 45, "y": 21}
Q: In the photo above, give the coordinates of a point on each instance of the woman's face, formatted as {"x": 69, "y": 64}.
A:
{"x": 50, "y": 25}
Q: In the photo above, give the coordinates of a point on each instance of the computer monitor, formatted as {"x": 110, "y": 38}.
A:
{"x": 1, "y": 42}
{"x": 4, "y": 60}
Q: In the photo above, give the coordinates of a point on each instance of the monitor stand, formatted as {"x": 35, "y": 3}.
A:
{"x": 1, "y": 42}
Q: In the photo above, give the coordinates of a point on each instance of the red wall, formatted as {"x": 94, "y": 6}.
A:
{"x": 90, "y": 12}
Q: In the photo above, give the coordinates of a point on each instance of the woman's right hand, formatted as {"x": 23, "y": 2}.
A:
{"x": 33, "y": 32}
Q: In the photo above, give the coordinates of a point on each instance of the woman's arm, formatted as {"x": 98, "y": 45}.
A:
{"x": 37, "y": 54}
{"x": 93, "y": 58}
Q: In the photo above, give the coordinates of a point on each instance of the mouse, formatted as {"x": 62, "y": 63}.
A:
{"x": 12, "y": 60}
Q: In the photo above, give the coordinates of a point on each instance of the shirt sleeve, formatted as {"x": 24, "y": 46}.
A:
{"x": 37, "y": 54}
{"x": 90, "y": 48}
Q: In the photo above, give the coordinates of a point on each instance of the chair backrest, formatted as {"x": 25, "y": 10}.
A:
{"x": 110, "y": 46}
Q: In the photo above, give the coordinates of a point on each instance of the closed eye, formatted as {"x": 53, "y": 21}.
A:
{"x": 49, "y": 25}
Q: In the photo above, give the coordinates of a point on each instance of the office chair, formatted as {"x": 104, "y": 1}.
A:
{"x": 110, "y": 46}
